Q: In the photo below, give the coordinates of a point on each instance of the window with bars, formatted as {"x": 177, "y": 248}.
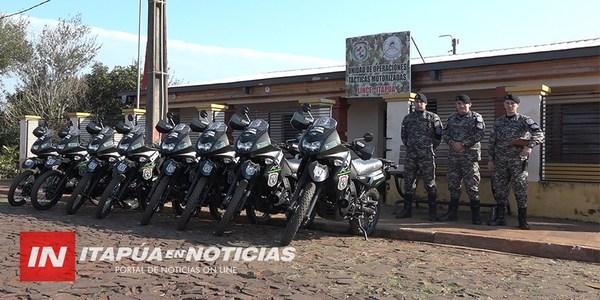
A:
{"x": 572, "y": 148}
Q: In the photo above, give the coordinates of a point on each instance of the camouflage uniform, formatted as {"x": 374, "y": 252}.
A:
{"x": 421, "y": 134}
{"x": 468, "y": 129}
{"x": 510, "y": 168}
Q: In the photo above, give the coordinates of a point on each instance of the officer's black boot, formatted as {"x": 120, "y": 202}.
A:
{"x": 452, "y": 214}
{"x": 500, "y": 219}
{"x": 432, "y": 207}
{"x": 475, "y": 217}
{"x": 523, "y": 218}
{"x": 407, "y": 210}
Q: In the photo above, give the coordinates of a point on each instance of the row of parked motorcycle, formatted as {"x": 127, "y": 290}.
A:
{"x": 317, "y": 174}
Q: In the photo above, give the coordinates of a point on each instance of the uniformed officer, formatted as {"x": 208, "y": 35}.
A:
{"x": 421, "y": 133}
{"x": 463, "y": 133}
{"x": 508, "y": 157}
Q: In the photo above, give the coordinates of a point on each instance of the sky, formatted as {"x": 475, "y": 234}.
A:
{"x": 219, "y": 40}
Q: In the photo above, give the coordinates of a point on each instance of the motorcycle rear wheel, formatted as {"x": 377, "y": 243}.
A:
{"x": 51, "y": 190}
{"x": 21, "y": 188}
{"x": 306, "y": 195}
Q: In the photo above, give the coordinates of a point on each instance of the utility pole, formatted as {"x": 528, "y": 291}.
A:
{"x": 454, "y": 43}
{"x": 156, "y": 101}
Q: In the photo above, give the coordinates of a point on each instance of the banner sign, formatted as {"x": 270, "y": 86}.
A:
{"x": 378, "y": 64}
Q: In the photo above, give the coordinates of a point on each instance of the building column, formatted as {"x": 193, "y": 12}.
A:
{"x": 27, "y": 124}
{"x": 216, "y": 112}
{"x": 531, "y": 98}
{"x": 398, "y": 106}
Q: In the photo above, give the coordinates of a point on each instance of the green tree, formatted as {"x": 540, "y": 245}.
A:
{"x": 14, "y": 47}
{"x": 104, "y": 85}
{"x": 50, "y": 81}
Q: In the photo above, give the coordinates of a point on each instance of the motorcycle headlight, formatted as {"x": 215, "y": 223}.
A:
{"x": 46, "y": 145}
{"x": 311, "y": 146}
{"x": 93, "y": 147}
{"x": 123, "y": 146}
{"x": 244, "y": 146}
{"x": 29, "y": 163}
{"x": 204, "y": 146}
{"x": 35, "y": 147}
{"x": 167, "y": 147}
{"x": 61, "y": 147}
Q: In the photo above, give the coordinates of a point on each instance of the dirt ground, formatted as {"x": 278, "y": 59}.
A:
{"x": 325, "y": 265}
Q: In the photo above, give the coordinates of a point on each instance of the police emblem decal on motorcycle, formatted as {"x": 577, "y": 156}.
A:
{"x": 147, "y": 173}
{"x": 207, "y": 168}
{"x": 171, "y": 168}
{"x": 343, "y": 182}
{"x": 121, "y": 167}
{"x": 272, "y": 179}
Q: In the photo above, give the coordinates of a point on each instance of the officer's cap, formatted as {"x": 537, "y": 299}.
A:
{"x": 512, "y": 97}
{"x": 464, "y": 98}
{"x": 421, "y": 97}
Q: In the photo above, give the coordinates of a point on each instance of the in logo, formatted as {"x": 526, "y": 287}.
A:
{"x": 47, "y": 256}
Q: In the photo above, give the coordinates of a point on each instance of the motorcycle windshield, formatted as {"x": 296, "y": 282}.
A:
{"x": 74, "y": 131}
{"x": 217, "y": 127}
{"x": 255, "y": 129}
{"x": 182, "y": 128}
{"x": 138, "y": 130}
{"x": 321, "y": 128}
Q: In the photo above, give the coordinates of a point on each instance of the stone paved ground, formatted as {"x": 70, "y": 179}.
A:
{"x": 326, "y": 265}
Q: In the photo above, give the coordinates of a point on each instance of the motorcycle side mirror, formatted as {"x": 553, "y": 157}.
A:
{"x": 163, "y": 126}
{"x": 199, "y": 125}
{"x": 299, "y": 121}
{"x": 130, "y": 118}
{"x": 238, "y": 123}
{"x": 245, "y": 110}
{"x": 203, "y": 114}
{"x": 122, "y": 128}
{"x": 368, "y": 137}
{"x": 306, "y": 107}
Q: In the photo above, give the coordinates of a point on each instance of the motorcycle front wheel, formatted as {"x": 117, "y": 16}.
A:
{"x": 155, "y": 201}
{"x": 47, "y": 190}
{"x": 194, "y": 204}
{"x": 366, "y": 226}
{"x": 232, "y": 207}
{"x": 20, "y": 189}
{"x": 306, "y": 195}
{"x": 257, "y": 217}
{"x": 108, "y": 198}
{"x": 77, "y": 199}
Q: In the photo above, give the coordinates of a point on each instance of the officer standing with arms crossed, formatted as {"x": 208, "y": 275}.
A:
{"x": 511, "y": 141}
{"x": 421, "y": 134}
{"x": 463, "y": 133}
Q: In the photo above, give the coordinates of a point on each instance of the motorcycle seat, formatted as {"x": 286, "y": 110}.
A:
{"x": 363, "y": 167}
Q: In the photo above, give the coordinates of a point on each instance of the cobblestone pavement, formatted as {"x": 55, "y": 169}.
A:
{"x": 325, "y": 266}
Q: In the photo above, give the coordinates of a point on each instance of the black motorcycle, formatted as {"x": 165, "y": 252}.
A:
{"x": 63, "y": 171}
{"x": 262, "y": 173}
{"x": 216, "y": 167}
{"x": 133, "y": 176}
{"x": 33, "y": 167}
{"x": 103, "y": 156}
{"x": 176, "y": 172}
{"x": 332, "y": 183}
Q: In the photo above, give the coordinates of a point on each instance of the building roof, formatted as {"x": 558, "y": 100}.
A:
{"x": 581, "y": 48}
